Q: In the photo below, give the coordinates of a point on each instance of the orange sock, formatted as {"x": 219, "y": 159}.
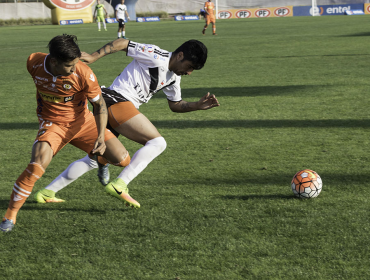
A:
{"x": 23, "y": 188}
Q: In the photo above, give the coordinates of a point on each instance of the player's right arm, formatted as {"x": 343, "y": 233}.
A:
{"x": 112, "y": 47}
{"x": 101, "y": 119}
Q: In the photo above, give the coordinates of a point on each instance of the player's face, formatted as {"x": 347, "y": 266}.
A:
{"x": 184, "y": 67}
{"x": 64, "y": 68}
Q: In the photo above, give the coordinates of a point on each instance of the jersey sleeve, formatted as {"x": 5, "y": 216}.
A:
{"x": 116, "y": 8}
{"x": 91, "y": 88}
{"x": 173, "y": 92}
{"x": 147, "y": 54}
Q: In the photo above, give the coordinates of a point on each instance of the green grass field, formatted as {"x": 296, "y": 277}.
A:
{"x": 217, "y": 204}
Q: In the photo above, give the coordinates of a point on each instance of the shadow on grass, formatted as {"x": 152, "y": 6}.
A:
{"x": 258, "y": 197}
{"x": 181, "y": 124}
{"x": 360, "y": 34}
{"x": 33, "y": 205}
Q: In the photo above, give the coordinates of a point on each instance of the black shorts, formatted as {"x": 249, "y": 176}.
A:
{"x": 121, "y": 23}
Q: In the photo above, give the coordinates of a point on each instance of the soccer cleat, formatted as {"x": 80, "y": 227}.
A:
{"x": 118, "y": 188}
{"x": 47, "y": 196}
{"x": 105, "y": 29}
{"x": 99, "y": 30}
{"x": 103, "y": 173}
{"x": 6, "y": 225}
{"x": 203, "y": 32}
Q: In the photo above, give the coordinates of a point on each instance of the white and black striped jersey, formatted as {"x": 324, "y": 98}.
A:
{"x": 147, "y": 74}
{"x": 121, "y": 11}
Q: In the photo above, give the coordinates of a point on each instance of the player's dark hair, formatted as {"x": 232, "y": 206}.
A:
{"x": 64, "y": 48}
{"x": 194, "y": 51}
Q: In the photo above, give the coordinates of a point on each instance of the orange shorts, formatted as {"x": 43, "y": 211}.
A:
{"x": 210, "y": 19}
{"x": 121, "y": 112}
{"x": 82, "y": 133}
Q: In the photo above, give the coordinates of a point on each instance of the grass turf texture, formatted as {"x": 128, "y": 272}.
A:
{"x": 217, "y": 203}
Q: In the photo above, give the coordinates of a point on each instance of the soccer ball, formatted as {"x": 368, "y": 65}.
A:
{"x": 306, "y": 184}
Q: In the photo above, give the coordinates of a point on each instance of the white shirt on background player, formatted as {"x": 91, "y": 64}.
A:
{"x": 147, "y": 74}
{"x": 121, "y": 11}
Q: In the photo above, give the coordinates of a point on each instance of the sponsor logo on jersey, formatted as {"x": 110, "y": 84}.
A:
{"x": 38, "y": 65}
{"x": 55, "y": 99}
{"x": 224, "y": 14}
{"x": 92, "y": 78}
{"x": 243, "y": 14}
{"x": 156, "y": 56}
{"x": 67, "y": 86}
{"x": 262, "y": 13}
{"x": 41, "y": 78}
{"x": 69, "y": 98}
{"x": 281, "y": 12}
{"x": 150, "y": 49}
{"x": 141, "y": 48}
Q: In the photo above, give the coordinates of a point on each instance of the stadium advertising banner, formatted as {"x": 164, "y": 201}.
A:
{"x": 327, "y": 10}
{"x": 70, "y": 11}
{"x": 367, "y": 9}
{"x": 111, "y": 20}
{"x": 147, "y": 19}
{"x": 286, "y": 11}
{"x": 193, "y": 17}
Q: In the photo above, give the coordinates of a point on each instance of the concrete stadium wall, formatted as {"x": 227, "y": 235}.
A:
{"x": 39, "y": 10}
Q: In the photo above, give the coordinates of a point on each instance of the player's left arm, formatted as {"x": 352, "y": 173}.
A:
{"x": 208, "y": 101}
{"x": 101, "y": 119}
{"x": 128, "y": 17}
{"x": 109, "y": 48}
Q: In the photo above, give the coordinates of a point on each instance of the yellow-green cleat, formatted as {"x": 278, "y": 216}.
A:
{"x": 47, "y": 196}
{"x": 118, "y": 189}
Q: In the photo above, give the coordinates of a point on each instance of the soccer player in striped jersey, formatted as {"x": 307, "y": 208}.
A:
{"x": 63, "y": 86}
{"x": 153, "y": 69}
{"x": 121, "y": 14}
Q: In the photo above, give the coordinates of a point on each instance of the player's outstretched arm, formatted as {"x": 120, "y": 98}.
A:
{"x": 208, "y": 101}
{"x": 112, "y": 47}
{"x": 101, "y": 119}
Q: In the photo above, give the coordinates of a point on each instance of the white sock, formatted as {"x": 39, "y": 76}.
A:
{"x": 99, "y": 25}
{"x": 142, "y": 158}
{"x": 75, "y": 170}
{"x": 105, "y": 26}
{"x": 119, "y": 35}
{"x": 123, "y": 34}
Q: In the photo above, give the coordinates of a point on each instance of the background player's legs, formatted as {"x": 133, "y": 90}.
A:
{"x": 214, "y": 28}
{"x": 204, "y": 29}
{"x": 205, "y": 26}
{"x": 41, "y": 157}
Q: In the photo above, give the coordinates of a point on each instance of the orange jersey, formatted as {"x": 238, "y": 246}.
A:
{"x": 209, "y": 7}
{"x": 62, "y": 99}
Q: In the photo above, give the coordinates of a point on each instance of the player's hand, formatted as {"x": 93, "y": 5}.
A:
{"x": 99, "y": 147}
{"x": 207, "y": 102}
{"x": 88, "y": 58}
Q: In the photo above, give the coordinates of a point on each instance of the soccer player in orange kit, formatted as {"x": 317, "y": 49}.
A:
{"x": 209, "y": 7}
{"x": 63, "y": 86}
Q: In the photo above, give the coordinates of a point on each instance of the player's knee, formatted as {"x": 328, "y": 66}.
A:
{"x": 159, "y": 142}
{"x": 126, "y": 161}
